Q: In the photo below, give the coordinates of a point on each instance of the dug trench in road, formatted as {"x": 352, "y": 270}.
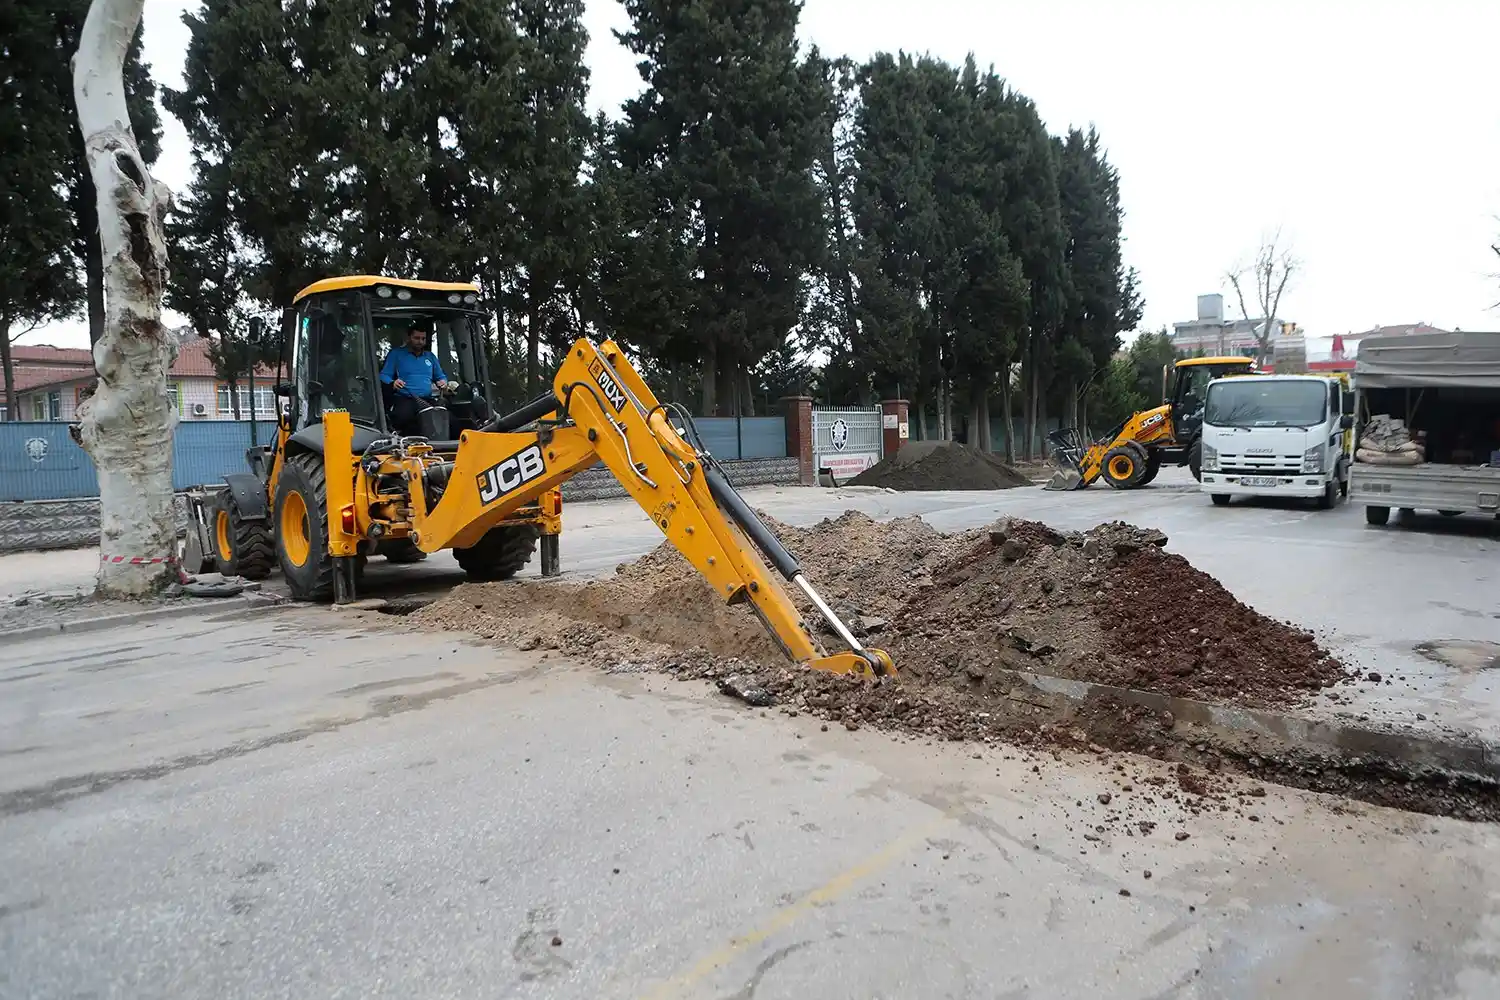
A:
{"x": 962, "y": 613}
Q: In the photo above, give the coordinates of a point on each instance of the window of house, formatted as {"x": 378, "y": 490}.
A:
{"x": 54, "y": 404}
{"x": 265, "y": 401}
{"x": 38, "y": 408}
{"x": 174, "y": 390}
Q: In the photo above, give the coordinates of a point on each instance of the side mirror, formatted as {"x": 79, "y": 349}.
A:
{"x": 1346, "y": 422}
{"x": 284, "y": 390}
{"x": 257, "y": 330}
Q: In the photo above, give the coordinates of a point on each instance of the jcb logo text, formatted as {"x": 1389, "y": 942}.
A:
{"x": 612, "y": 390}
{"x": 511, "y": 474}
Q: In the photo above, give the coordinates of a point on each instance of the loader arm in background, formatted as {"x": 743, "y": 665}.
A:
{"x": 605, "y": 413}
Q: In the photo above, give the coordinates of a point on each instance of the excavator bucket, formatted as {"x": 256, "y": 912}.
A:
{"x": 1067, "y": 452}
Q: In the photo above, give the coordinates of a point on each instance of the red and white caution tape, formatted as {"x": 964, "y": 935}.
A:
{"x": 137, "y": 560}
{"x": 182, "y": 576}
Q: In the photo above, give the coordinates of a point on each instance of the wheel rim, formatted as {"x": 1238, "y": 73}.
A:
{"x": 221, "y": 536}
{"x": 296, "y": 540}
{"x": 1120, "y": 467}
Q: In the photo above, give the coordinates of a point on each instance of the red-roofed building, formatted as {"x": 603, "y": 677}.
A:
{"x": 50, "y": 383}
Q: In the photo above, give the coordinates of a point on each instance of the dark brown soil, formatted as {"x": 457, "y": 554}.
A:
{"x": 954, "y": 611}
{"x": 941, "y": 465}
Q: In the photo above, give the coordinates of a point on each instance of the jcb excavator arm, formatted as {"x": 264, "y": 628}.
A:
{"x": 603, "y": 412}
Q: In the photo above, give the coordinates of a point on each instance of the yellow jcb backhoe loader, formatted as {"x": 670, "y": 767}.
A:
{"x": 338, "y": 485}
{"x": 1133, "y": 453}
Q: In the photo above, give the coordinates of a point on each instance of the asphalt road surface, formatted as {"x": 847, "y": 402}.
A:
{"x": 304, "y": 804}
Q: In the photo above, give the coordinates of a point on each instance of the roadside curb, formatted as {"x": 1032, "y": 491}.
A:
{"x": 1273, "y": 731}
{"x": 184, "y": 607}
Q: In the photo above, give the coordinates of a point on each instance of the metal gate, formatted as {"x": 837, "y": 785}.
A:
{"x": 846, "y": 441}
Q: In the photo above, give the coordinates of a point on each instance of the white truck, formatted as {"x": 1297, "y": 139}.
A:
{"x": 1429, "y": 425}
{"x": 1277, "y": 436}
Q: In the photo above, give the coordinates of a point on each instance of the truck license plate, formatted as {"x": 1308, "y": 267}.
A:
{"x": 1257, "y": 481}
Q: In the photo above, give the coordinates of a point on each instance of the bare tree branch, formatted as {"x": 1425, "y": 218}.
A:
{"x": 1271, "y": 271}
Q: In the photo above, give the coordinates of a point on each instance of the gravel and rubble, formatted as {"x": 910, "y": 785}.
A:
{"x": 960, "y": 614}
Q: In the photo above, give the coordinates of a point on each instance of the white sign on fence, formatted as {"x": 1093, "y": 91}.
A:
{"x": 846, "y": 441}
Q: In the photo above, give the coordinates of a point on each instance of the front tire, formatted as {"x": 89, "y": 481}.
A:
{"x": 1330, "y": 496}
{"x": 241, "y": 548}
{"x": 500, "y": 554}
{"x": 1153, "y": 466}
{"x": 1377, "y": 515}
{"x": 1124, "y": 466}
{"x": 1195, "y": 459}
{"x": 302, "y": 529}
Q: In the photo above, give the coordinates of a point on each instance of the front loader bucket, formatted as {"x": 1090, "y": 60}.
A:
{"x": 1067, "y": 454}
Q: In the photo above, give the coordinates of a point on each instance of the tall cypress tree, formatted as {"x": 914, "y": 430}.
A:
{"x": 721, "y": 144}
{"x": 39, "y": 278}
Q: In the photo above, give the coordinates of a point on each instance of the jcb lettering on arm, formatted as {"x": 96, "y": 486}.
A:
{"x": 510, "y": 474}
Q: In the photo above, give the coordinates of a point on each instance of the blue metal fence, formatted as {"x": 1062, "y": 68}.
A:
{"x": 39, "y": 461}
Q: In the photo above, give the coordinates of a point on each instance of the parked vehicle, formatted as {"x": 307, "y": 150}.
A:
{"x": 1428, "y": 434}
{"x": 1277, "y": 436}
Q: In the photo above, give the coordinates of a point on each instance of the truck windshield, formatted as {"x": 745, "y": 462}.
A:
{"x": 1263, "y": 403}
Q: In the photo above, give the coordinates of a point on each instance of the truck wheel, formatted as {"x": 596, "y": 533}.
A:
{"x": 1377, "y": 515}
{"x": 302, "y": 529}
{"x": 241, "y": 548}
{"x": 1195, "y": 459}
{"x": 1330, "y": 496}
{"x": 500, "y": 554}
{"x": 1124, "y": 466}
{"x": 400, "y": 550}
{"x": 1219, "y": 499}
{"x": 1450, "y": 513}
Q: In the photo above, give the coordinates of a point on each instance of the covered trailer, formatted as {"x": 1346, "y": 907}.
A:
{"x": 1428, "y": 425}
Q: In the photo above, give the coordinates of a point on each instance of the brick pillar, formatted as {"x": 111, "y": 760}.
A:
{"x": 895, "y": 428}
{"x": 799, "y": 435}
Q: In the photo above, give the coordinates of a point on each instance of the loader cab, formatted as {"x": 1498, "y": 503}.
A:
{"x": 339, "y": 332}
{"x": 1190, "y": 390}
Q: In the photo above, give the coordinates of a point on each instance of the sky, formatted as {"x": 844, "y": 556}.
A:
{"x": 1367, "y": 132}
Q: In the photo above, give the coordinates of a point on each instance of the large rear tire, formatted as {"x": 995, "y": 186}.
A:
{"x": 302, "y": 529}
{"x": 1124, "y": 466}
{"x": 500, "y": 554}
{"x": 241, "y": 548}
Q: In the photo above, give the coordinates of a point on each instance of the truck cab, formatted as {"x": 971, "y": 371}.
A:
{"x": 1277, "y": 435}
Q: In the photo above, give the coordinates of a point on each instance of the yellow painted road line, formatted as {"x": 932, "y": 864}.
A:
{"x": 780, "y": 919}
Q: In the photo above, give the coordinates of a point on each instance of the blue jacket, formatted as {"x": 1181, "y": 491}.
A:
{"x": 418, "y": 371}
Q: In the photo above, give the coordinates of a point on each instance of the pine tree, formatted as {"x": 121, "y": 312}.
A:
{"x": 38, "y": 275}
{"x": 718, "y": 151}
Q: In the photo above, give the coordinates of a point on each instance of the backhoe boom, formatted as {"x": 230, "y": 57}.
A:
{"x": 604, "y": 412}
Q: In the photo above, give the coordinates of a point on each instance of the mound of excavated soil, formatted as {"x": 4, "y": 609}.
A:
{"x": 955, "y": 611}
{"x": 941, "y": 465}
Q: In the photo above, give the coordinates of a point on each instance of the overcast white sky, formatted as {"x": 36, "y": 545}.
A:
{"x": 1367, "y": 130}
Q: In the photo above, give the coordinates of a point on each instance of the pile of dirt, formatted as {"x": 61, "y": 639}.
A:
{"x": 941, "y": 465}
{"x": 958, "y": 613}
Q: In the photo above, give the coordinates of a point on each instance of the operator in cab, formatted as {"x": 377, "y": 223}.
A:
{"x": 412, "y": 371}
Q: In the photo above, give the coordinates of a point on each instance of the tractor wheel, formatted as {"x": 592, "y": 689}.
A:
{"x": 1124, "y": 467}
{"x": 241, "y": 548}
{"x": 400, "y": 550}
{"x": 1195, "y": 460}
{"x": 302, "y": 529}
{"x": 500, "y": 554}
{"x": 1153, "y": 466}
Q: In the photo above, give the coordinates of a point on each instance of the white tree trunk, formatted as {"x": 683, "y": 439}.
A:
{"x": 127, "y": 425}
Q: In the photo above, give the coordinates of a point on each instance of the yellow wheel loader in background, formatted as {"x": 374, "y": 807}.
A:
{"x": 337, "y": 485}
{"x": 1134, "y": 452}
